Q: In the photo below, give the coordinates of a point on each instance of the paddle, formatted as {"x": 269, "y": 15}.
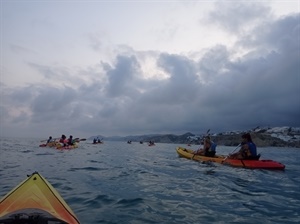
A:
{"x": 230, "y": 153}
{"x": 79, "y": 140}
{"x": 54, "y": 139}
{"x": 207, "y": 135}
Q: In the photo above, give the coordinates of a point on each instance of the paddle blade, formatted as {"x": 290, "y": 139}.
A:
{"x": 80, "y": 140}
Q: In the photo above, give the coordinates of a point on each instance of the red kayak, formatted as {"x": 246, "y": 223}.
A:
{"x": 255, "y": 164}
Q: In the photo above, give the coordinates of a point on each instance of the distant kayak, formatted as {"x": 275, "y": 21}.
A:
{"x": 60, "y": 147}
{"x": 151, "y": 143}
{"x": 250, "y": 164}
{"x": 95, "y": 143}
{"x": 35, "y": 201}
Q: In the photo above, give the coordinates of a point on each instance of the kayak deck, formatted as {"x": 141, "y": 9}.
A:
{"x": 250, "y": 164}
{"x": 60, "y": 147}
{"x": 35, "y": 197}
{"x": 50, "y": 144}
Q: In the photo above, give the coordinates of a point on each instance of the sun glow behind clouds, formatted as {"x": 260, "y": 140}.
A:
{"x": 150, "y": 70}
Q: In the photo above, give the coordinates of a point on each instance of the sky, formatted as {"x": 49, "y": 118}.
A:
{"x": 109, "y": 68}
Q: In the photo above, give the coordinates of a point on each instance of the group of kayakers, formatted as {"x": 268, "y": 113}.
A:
{"x": 247, "y": 146}
{"x": 247, "y": 149}
{"x": 151, "y": 143}
{"x": 63, "y": 140}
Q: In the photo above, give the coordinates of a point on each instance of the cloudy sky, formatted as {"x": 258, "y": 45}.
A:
{"x": 142, "y": 67}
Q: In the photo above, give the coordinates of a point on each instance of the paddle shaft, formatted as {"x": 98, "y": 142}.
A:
{"x": 231, "y": 153}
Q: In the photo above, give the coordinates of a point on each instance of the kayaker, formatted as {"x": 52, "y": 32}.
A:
{"x": 209, "y": 148}
{"x": 70, "y": 140}
{"x": 248, "y": 148}
{"x": 98, "y": 140}
{"x": 63, "y": 140}
{"x": 50, "y": 140}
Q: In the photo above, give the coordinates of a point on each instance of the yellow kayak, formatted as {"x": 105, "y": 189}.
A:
{"x": 188, "y": 153}
{"x": 35, "y": 201}
{"x": 60, "y": 147}
{"x": 50, "y": 144}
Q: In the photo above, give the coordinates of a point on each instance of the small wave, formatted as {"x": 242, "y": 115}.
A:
{"x": 89, "y": 168}
{"x": 10, "y": 166}
{"x": 44, "y": 154}
{"x": 130, "y": 202}
{"x": 94, "y": 161}
{"x": 26, "y": 151}
{"x": 99, "y": 201}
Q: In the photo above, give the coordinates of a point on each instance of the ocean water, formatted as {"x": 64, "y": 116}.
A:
{"x": 116, "y": 182}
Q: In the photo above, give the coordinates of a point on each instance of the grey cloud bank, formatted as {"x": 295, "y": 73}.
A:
{"x": 222, "y": 89}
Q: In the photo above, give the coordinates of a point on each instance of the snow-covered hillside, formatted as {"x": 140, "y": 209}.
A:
{"x": 288, "y": 134}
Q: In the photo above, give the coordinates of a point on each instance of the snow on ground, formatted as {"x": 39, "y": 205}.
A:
{"x": 285, "y": 133}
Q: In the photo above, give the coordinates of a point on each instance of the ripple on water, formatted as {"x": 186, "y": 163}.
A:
{"x": 98, "y": 201}
{"x": 90, "y": 168}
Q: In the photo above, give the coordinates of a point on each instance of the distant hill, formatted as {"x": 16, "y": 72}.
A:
{"x": 162, "y": 138}
{"x": 262, "y": 136}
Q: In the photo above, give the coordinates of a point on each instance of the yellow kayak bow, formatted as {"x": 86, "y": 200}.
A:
{"x": 36, "y": 201}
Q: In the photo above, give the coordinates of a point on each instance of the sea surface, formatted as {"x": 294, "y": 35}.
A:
{"x": 116, "y": 182}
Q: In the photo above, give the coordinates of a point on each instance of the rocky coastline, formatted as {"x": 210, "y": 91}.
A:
{"x": 262, "y": 136}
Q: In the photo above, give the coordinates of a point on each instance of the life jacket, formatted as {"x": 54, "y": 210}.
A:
{"x": 252, "y": 149}
{"x": 211, "y": 151}
{"x": 213, "y": 146}
{"x": 70, "y": 141}
{"x": 63, "y": 141}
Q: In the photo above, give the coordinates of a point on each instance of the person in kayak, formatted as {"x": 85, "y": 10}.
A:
{"x": 63, "y": 140}
{"x": 209, "y": 148}
{"x": 50, "y": 140}
{"x": 248, "y": 148}
{"x": 99, "y": 140}
{"x": 70, "y": 140}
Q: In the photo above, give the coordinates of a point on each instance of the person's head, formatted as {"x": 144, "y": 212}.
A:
{"x": 50, "y": 137}
{"x": 63, "y": 136}
{"x": 207, "y": 140}
{"x": 246, "y": 137}
{"x": 71, "y": 136}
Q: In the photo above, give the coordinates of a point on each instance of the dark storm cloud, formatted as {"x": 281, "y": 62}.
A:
{"x": 180, "y": 86}
{"x": 54, "y": 103}
{"x": 281, "y": 35}
{"x": 121, "y": 77}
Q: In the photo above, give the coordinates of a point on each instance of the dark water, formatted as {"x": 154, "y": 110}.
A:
{"x": 116, "y": 182}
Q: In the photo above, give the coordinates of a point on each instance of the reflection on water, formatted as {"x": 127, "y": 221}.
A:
{"x": 116, "y": 182}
